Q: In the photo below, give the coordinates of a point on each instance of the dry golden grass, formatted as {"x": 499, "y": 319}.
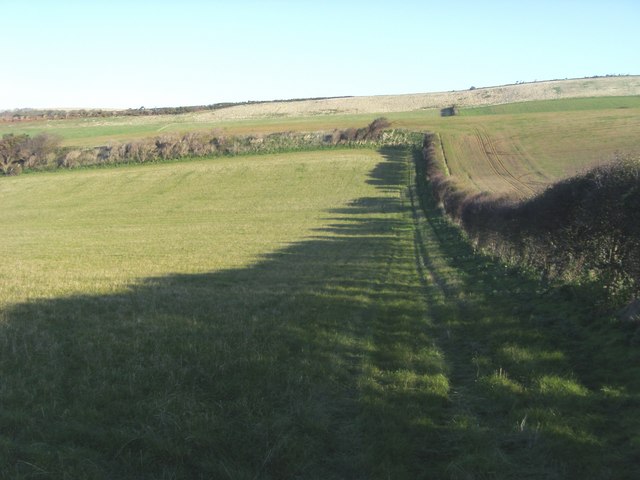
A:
{"x": 595, "y": 87}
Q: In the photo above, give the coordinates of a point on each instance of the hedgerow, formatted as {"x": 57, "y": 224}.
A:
{"x": 584, "y": 229}
{"x": 203, "y": 144}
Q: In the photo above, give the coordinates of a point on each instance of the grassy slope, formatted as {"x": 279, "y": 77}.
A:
{"x": 288, "y": 316}
{"x": 224, "y": 319}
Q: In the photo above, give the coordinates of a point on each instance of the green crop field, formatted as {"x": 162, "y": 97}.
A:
{"x": 506, "y": 149}
{"x": 305, "y": 315}
{"x": 558, "y": 105}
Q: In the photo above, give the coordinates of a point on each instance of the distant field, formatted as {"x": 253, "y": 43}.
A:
{"x": 521, "y": 152}
{"x": 515, "y": 148}
{"x": 92, "y": 132}
{"x": 558, "y": 105}
{"x": 411, "y": 110}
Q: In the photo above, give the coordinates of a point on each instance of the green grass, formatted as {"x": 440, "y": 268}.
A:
{"x": 559, "y": 105}
{"x": 185, "y": 217}
{"x": 543, "y": 385}
{"x": 212, "y": 319}
{"x": 289, "y": 316}
{"x": 521, "y": 153}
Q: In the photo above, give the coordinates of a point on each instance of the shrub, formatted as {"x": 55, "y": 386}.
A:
{"x": 42, "y": 151}
{"x": 18, "y": 151}
{"x": 375, "y": 128}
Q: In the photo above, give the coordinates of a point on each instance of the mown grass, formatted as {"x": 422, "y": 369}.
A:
{"x": 292, "y": 316}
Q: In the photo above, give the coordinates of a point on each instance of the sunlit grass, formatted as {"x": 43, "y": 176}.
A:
{"x": 99, "y": 230}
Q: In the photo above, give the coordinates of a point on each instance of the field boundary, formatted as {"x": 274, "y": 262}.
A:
{"x": 583, "y": 229}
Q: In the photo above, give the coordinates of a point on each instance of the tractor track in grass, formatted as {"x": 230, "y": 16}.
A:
{"x": 517, "y": 365}
{"x": 496, "y": 164}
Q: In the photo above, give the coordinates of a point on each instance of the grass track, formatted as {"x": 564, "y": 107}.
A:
{"x": 332, "y": 329}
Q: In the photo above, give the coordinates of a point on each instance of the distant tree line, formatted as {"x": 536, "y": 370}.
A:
{"x": 585, "y": 229}
{"x": 26, "y": 114}
{"x": 19, "y": 152}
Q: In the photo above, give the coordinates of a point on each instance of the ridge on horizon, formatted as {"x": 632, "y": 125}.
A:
{"x": 220, "y": 105}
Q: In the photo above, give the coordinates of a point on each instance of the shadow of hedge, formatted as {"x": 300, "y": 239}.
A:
{"x": 326, "y": 359}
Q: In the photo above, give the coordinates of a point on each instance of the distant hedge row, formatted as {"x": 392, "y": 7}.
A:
{"x": 43, "y": 151}
{"x": 583, "y": 229}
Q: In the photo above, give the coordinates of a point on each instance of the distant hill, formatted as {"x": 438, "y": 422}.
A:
{"x": 546, "y": 90}
{"x": 522, "y": 92}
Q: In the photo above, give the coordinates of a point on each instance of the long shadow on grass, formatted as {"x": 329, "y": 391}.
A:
{"x": 270, "y": 371}
{"x": 323, "y": 360}
{"x": 543, "y": 384}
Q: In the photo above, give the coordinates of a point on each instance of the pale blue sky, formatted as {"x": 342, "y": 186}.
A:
{"x": 129, "y": 53}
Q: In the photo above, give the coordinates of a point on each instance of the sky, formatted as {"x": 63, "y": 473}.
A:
{"x": 133, "y": 53}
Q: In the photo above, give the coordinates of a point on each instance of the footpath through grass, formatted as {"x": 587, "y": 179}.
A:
{"x": 330, "y": 329}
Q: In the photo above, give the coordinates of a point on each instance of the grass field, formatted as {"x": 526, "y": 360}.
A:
{"x": 188, "y": 217}
{"x": 90, "y": 132}
{"x": 293, "y": 316}
{"x": 521, "y": 151}
{"x": 558, "y": 105}
{"x": 516, "y": 148}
